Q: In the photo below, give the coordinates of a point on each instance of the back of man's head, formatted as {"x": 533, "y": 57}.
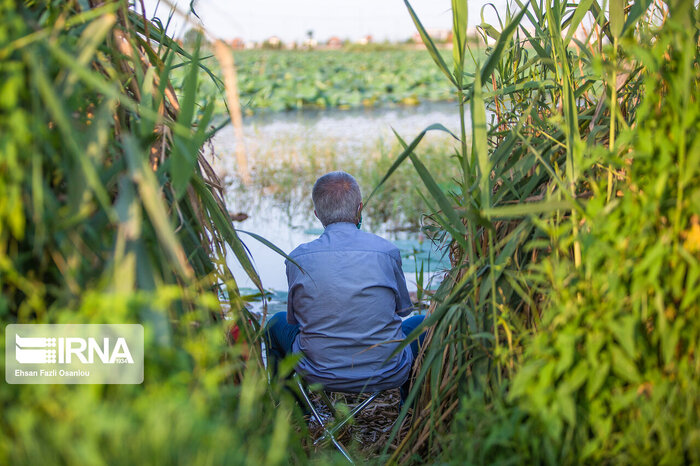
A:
{"x": 337, "y": 198}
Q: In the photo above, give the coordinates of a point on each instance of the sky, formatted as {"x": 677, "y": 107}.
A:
{"x": 257, "y": 20}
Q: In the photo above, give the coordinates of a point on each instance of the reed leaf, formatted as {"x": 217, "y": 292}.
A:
{"x": 635, "y": 13}
{"x": 617, "y": 17}
{"x": 430, "y": 45}
{"x": 497, "y": 52}
{"x": 480, "y": 143}
{"x": 581, "y": 10}
{"x": 459, "y": 37}
{"x": 405, "y": 154}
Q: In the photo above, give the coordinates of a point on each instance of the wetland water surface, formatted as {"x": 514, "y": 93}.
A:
{"x": 320, "y": 141}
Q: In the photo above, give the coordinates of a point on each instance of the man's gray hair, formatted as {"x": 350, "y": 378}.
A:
{"x": 336, "y": 197}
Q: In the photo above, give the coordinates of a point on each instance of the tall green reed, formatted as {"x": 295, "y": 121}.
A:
{"x": 526, "y": 182}
{"x": 612, "y": 374}
{"x": 110, "y": 213}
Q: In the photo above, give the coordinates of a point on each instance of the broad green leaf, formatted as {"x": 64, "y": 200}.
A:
{"x": 623, "y": 328}
{"x": 596, "y": 378}
{"x": 490, "y": 31}
{"x": 565, "y": 344}
{"x": 623, "y": 365}
{"x": 526, "y": 377}
{"x": 567, "y": 406}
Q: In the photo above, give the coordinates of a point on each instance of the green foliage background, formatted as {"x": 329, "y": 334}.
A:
{"x": 567, "y": 330}
{"x": 109, "y": 214}
{"x": 612, "y": 373}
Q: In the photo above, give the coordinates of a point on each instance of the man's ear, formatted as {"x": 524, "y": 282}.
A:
{"x": 315, "y": 214}
{"x": 359, "y": 210}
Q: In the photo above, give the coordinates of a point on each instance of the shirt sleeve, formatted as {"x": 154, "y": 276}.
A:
{"x": 291, "y": 317}
{"x": 404, "y": 306}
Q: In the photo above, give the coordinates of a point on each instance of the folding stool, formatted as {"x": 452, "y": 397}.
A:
{"x": 329, "y": 433}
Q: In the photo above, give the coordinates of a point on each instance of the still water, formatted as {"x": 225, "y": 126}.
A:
{"x": 288, "y": 223}
{"x": 350, "y": 131}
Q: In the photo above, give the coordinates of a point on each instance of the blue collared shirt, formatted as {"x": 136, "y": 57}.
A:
{"x": 348, "y": 306}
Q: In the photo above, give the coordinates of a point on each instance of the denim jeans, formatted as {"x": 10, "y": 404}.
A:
{"x": 408, "y": 326}
{"x": 280, "y": 335}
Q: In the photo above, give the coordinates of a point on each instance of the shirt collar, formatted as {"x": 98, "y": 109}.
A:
{"x": 341, "y": 226}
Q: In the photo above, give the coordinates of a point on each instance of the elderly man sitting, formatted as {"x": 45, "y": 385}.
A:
{"x": 344, "y": 308}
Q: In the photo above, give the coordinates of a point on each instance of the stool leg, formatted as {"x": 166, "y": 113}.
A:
{"x": 351, "y": 415}
{"x": 320, "y": 421}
